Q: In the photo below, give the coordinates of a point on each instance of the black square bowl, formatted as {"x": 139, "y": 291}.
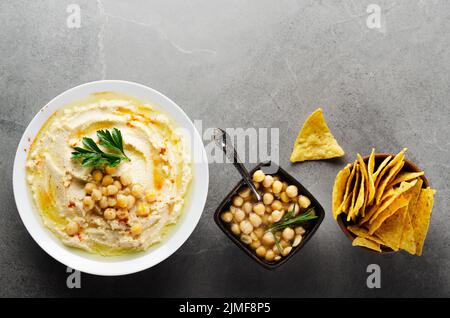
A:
{"x": 310, "y": 226}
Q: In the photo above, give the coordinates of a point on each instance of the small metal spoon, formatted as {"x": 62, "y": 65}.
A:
{"x": 223, "y": 140}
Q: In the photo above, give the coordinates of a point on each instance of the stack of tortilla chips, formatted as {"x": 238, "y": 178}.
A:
{"x": 385, "y": 207}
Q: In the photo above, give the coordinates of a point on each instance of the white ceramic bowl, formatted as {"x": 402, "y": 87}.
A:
{"x": 127, "y": 264}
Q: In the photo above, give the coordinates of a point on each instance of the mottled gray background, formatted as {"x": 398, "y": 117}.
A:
{"x": 243, "y": 64}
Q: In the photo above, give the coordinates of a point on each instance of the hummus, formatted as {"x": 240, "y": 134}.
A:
{"x": 160, "y": 160}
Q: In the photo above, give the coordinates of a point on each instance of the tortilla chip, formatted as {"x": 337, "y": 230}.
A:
{"x": 389, "y": 193}
{"x": 390, "y": 232}
{"x": 398, "y": 203}
{"x": 315, "y": 141}
{"x": 339, "y": 190}
{"x": 404, "y": 186}
{"x": 407, "y": 241}
{"x": 365, "y": 175}
{"x": 421, "y": 217}
{"x": 355, "y": 193}
{"x": 370, "y": 168}
{"x": 394, "y": 168}
{"x": 359, "y": 241}
{"x": 413, "y": 196}
{"x": 405, "y": 176}
{"x": 380, "y": 168}
{"x": 362, "y": 232}
{"x": 361, "y": 196}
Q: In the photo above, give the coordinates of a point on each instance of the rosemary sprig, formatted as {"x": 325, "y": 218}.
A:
{"x": 289, "y": 219}
{"x": 92, "y": 156}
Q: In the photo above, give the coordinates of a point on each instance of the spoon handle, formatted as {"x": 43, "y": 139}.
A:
{"x": 223, "y": 140}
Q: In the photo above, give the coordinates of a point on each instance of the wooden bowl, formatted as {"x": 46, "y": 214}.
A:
{"x": 409, "y": 167}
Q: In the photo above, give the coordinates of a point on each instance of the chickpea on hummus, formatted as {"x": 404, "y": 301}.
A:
{"x": 109, "y": 209}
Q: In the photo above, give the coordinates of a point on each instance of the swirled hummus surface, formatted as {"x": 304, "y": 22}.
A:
{"x": 160, "y": 161}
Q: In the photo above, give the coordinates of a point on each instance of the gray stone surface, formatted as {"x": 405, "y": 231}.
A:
{"x": 264, "y": 64}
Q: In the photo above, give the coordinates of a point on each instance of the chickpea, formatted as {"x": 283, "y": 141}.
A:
{"x": 96, "y": 195}
{"x": 239, "y": 215}
{"x": 107, "y": 180}
{"x": 233, "y": 209}
{"x": 268, "y": 209}
{"x": 276, "y": 205}
{"x": 270, "y": 255}
{"x": 104, "y": 191}
{"x": 127, "y": 191}
{"x": 259, "y": 232}
{"x": 227, "y": 217}
{"x": 261, "y": 251}
{"x": 299, "y": 230}
{"x": 131, "y": 201}
{"x": 235, "y": 229}
{"x": 118, "y": 184}
{"x": 255, "y": 219}
{"x": 246, "y": 227}
{"x": 292, "y": 191}
{"x": 110, "y": 170}
{"x": 268, "y": 198}
{"x": 246, "y": 239}
{"x": 137, "y": 190}
{"x": 277, "y": 258}
{"x": 142, "y": 210}
{"x": 284, "y": 243}
{"x": 258, "y": 176}
{"x": 245, "y": 193}
{"x": 294, "y": 207}
{"x": 103, "y": 203}
{"x": 109, "y": 214}
{"x": 112, "y": 189}
{"x": 97, "y": 175}
{"x": 238, "y": 201}
{"x": 267, "y": 182}
{"x": 284, "y": 187}
{"x": 125, "y": 180}
{"x": 277, "y": 186}
{"x": 259, "y": 209}
{"x": 265, "y": 218}
{"x": 278, "y": 235}
{"x": 269, "y": 219}
{"x": 255, "y": 244}
{"x": 72, "y": 228}
{"x": 150, "y": 195}
{"x": 112, "y": 202}
{"x": 89, "y": 187}
{"x": 286, "y": 250}
{"x": 288, "y": 234}
{"x": 122, "y": 214}
{"x": 88, "y": 203}
{"x": 277, "y": 215}
{"x": 275, "y": 250}
{"x": 136, "y": 229}
{"x": 268, "y": 239}
{"x": 247, "y": 207}
{"x": 257, "y": 185}
{"x": 303, "y": 201}
{"x": 122, "y": 201}
{"x": 297, "y": 240}
{"x": 284, "y": 197}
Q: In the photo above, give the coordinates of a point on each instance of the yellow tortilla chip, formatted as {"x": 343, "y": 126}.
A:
{"x": 404, "y": 186}
{"x": 361, "y": 195}
{"x": 405, "y": 176}
{"x": 393, "y": 167}
{"x": 390, "y": 232}
{"x": 315, "y": 141}
{"x": 421, "y": 217}
{"x": 380, "y": 168}
{"x": 378, "y": 208}
{"x": 355, "y": 193}
{"x": 400, "y": 202}
{"x": 370, "y": 170}
{"x": 339, "y": 190}
{"x": 359, "y": 241}
{"x": 407, "y": 241}
{"x": 413, "y": 196}
{"x": 365, "y": 175}
{"x": 362, "y": 232}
